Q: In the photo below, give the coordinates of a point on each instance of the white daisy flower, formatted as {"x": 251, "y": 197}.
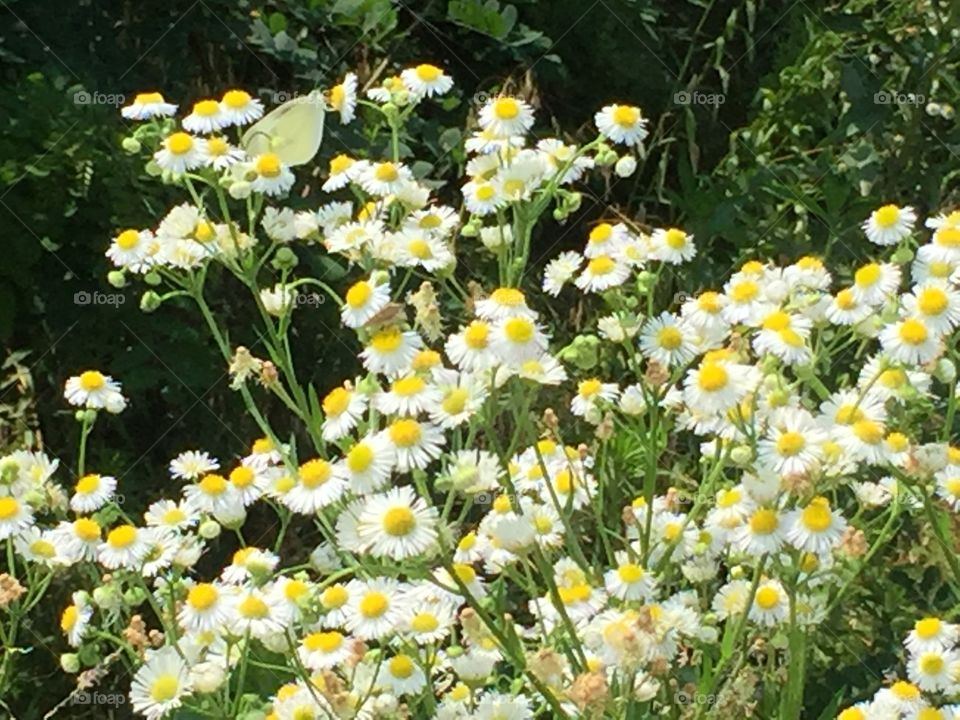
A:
{"x": 375, "y": 608}
{"x": 367, "y": 465}
{"x": 92, "y": 389}
{"x": 910, "y": 341}
{"x": 78, "y": 540}
{"x": 426, "y": 80}
{"x": 560, "y": 271}
{"x": 889, "y": 225}
{"x": 875, "y": 283}
{"x": 220, "y": 154}
{"x": 363, "y": 301}
{"x": 401, "y": 676}
{"x": 815, "y": 528}
{"x": 238, "y": 108}
{"x": 397, "y": 524}
{"x": 342, "y": 409}
{"x": 673, "y": 246}
{"x": 323, "y": 650}
{"x": 763, "y": 533}
{"x": 384, "y": 178}
{"x": 590, "y": 393}
{"x": 505, "y": 116}
{"x": 770, "y": 603}
{"x": 160, "y": 684}
{"x": 192, "y": 464}
{"x": 132, "y": 250}
{"x": 343, "y": 98}
{"x": 148, "y": 105}
{"x": 180, "y": 153}
{"x": 273, "y": 177}
{"x": 205, "y": 118}
{"x": 470, "y": 348}
{"x": 75, "y": 619}
{"x": 666, "y": 340}
{"x": 126, "y": 546}
{"x": 208, "y": 607}
{"x": 936, "y": 303}
{"x": 391, "y": 350}
{"x": 15, "y": 516}
{"x": 92, "y": 492}
{"x": 213, "y": 494}
{"x": 622, "y": 124}
{"x": 602, "y": 273}
{"x": 415, "y": 443}
{"x": 317, "y": 486}
{"x": 518, "y": 339}
{"x": 482, "y": 197}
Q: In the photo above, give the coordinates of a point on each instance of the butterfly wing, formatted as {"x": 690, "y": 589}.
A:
{"x": 292, "y": 131}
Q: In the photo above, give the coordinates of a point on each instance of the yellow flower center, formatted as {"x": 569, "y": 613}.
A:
{"x": 455, "y": 401}
{"x": 932, "y": 301}
{"x": 601, "y": 233}
{"x": 948, "y": 237}
{"x": 336, "y": 402}
{"x": 506, "y": 108}
{"x": 767, "y": 598}
{"x": 675, "y": 239}
{"x": 202, "y": 596}
{"x": 253, "y": 607}
{"x": 927, "y": 628}
{"x": 315, "y": 473}
{"x": 913, "y": 332}
{"x": 213, "y": 484}
{"x": 669, "y": 338}
{"x": 326, "y": 642}
{"x": 164, "y": 688}
{"x": 374, "y": 604}
{"x": 625, "y": 115}
{"x": 867, "y": 276}
{"x": 122, "y": 537}
{"x": 898, "y": 442}
{"x": 519, "y": 330}
{"x": 179, "y": 143}
{"x": 424, "y": 622}
{"x": 790, "y": 443}
{"x": 92, "y": 380}
{"x": 386, "y": 172}
{"x": 868, "y": 431}
{"x": 340, "y": 163}
{"x": 206, "y": 108}
{"x": 88, "y": 484}
{"x": 217, "y": 146}
{"x": 428, "y": 73}
{"x": 712, "y": 377}
{"x": 69, "y": 618}
{"x": 236, "y": 99}
{"x": 931, "y": 664}
{"x": 484, "y": 193}
{"x": 887, "y": 216}
{"x": 845, "y": 299}
{"x": 359, "y": 458}
{"x": 728, "y": 498}
{"x": 709, "y": 302}
{"x": 242, "y": 477}
{"x": 408, "y": 386}
{"x": 778, "y": 320}
{"x": 399, "y": 521}
{"x": 816, "y": 516}
{"x": 405, "y": 433}
{"x": 334, "y": 597}
{"x": 744, "y": 292}
{"x": 589, "y": 388}
{"x": 630, "y": 572}
{"x": 848, "y": 414}
{"x": 359, "y": 294}
{"x": 602, "y": 265}
{"x": 476, "y": 335}
{"x": 43, "y": 548}
{"x": 905, "y": 691}
{"x": 268, "y": 165}
{"x": 153, "y": 98}
{"x": 128, "y": 239}
{"x": 401, "y": 666}
{"x": 294, "y": 590}
{"x": 86, "y": 529}
{"x": 387, "y": 341}
{"x": 508, "y": 297}
{"x": 764, "y": 521}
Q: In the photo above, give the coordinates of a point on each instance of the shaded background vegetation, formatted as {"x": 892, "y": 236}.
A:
{"x": 823, "y": 116}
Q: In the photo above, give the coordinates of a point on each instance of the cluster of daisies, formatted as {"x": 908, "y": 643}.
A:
{"x": 462, "y": 560}
{"x": 933, "y": 660}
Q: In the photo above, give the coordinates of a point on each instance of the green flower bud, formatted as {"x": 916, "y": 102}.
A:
{"x": 70, "y": 663}
{"x": 902, "y": 255}
{"x": 946, "y": 371}
{"x": 471, "y": 229}
{"x": 134, "y": 596}
{"x": 240, "y": 190}
{"x": 285, "y": 259}
{"x": 645, "y": 281}
{"x": 131, "y": 145}
{"x": 150, "y": 301}
{"x": 741, "y": 455}
{"x": 152, "y": 169}
{"x": 117, "y": 278}
{"x": 209, "y": 529}
{"x": 152, "y": 278}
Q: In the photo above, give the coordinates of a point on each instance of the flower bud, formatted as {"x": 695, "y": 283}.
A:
{"x": 153, "y": 170}
{"x": 902, "y": 255}
{"x": 150, "y": 301}
{"x": 240, "y": 190}
{"x": 209, "y": 529}
{"x": 70, "y": 663}
{"x": 117, "y": 279}
{"x": 626, "y": 166}
{"x": 131, "y": 145}
{"x": 946, "y": 371}
{"x": 207, "y": 677}
{"x": 741, "y": 455}
{"x": 152, "y": 278}
{"x": 285, "y": 259}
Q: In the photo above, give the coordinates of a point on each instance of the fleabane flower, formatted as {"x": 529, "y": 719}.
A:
{"x": 622, "y": 124}
{"x": 889, "y": 224}
{"x": 343, "y": 98}
{"x": 426, "y": 80}
{"x": 148, "y": 105}
{"x": 602, "y": 273}
{"x": 518, "y": 339}
{"x": 672, "y": 245}
{"x": 505, "y": 116}
{"x": 239, "y": 108}
{"x": 206, "y": 117}
{"x": 815, "y": 528}
{"x": 94, "y": 390}
{"x": 161, "y": 683}
{"x": 910, "y": 341}
{"x": 363, "y": 301}
{"x": 397, "y": 524}
{"x": 390, "y": 350}
{"x": 181, "y": 152}
{"x": 92, "y": 492}
{"x": 272, "y": 176}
